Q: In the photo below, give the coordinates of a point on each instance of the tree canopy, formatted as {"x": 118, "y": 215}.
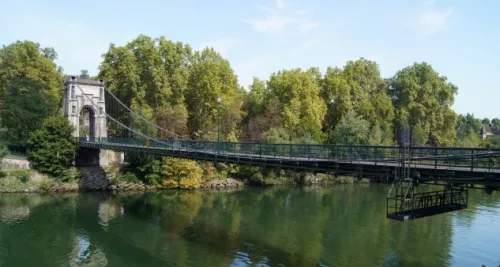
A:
{"x": 30, "y": 89}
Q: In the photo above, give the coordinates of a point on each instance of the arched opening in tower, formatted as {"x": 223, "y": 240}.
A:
{"x": 87, "y": 122}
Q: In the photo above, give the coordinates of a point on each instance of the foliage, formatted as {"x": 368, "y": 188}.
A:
{"x": 299, "y": 102}
{"x": 495, "y": 122}
{"x": 146, "y": 167}
{"x": 84, "y": 74}
{"x": 277, "y": 135}
{"x": 19, "y": 181}
{"x": 351, "y": 129}
{"x": 173, "y": 118}
{"x": 3, "y": 150}
{"x": 181, "y": 173}
{"x": 211, "y": 77}
{"x": 3, "y": 147}
{"x": 52, "y": 148}
{"x": 30, "y": 89}
{"x": 209, "y": 171}
{"x": 422, "y": 98}
{"x": 128, "y": 177}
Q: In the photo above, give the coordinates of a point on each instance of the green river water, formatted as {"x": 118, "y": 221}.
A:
{"x": 278, "y": 226}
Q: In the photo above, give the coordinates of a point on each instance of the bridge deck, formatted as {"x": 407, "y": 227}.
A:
{"x": 423, "y": 168}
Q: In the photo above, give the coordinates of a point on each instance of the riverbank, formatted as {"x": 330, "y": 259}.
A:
{"x": 99, "y": 179}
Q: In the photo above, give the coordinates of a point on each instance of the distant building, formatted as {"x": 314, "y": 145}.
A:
{"x": 489, "y": 130}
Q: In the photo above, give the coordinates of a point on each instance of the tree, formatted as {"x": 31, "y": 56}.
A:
{"x": 84, "y": 74}
{"x": 262, "y": 112}
{"x": 302, "y": 108}
{"x": 211, "y": 77}
{"x": 255, "y": 101}
{"x": 495, "y": 122}
{"x": 3, "y": 148}
{"x": 176, "y": 58}
{"x": 335, "y": 92}
{"x": 172, "y": 118}
{"x": 119, "y": 70}
{"x": 467, "y": 125}
{"x": 486, "y": 121}
{"x": 30, "y": 89}
{"x": 363, "y": 78}
{"x": 351, "y": 130}
{"x": 422, "y": 98}
{"x": 150, "y": 71}
{"x": 52, "y": 148}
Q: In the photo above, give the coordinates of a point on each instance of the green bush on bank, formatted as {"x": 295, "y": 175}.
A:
{"x": 52, "y": 148}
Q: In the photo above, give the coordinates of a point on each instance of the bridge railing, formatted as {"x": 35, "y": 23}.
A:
{"x": 468, "y": 158}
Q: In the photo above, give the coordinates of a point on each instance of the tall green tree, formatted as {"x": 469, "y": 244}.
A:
{"x": 176, "y": 58}
{"x": 422, "y": 98}
{"x": 211, "y": 77}
{"x": 119, "y": 70}
{"x": 336, "y": 93}
{"x": 370, "y": 98}
{"x": 150, "y": 71}
{"x": 302, "y": 108}
{"x": 30, "y": 88}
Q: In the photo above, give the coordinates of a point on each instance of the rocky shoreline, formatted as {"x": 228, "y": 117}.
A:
{"x": 97, "y": 179}
{"x": 93, "y": 179}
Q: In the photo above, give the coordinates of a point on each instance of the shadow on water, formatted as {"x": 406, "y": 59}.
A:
{"x": 308, "y": 226}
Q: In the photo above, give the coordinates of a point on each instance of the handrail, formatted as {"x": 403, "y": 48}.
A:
{"x": 476, "y": 158}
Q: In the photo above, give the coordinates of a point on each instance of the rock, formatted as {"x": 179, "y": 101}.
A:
{"x": 112, "y": 187}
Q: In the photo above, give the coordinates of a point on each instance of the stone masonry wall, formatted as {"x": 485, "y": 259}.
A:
{"x": 11, "y": 164}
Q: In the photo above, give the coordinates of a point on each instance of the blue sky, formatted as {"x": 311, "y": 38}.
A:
{"x": 459, "y": 38}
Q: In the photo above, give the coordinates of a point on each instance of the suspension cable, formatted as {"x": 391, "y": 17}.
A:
{"x": 144, "y": 119}
{"x": 119, "y": 123}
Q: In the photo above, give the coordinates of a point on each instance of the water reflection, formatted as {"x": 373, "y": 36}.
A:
{"x": 86, "y": 254}
{"x": 313, "y": 226}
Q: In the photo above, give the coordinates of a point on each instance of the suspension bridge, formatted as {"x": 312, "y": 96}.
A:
{"x": 406, "y": 165}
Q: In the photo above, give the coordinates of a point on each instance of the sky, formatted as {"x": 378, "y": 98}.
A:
{"x": 459, "y": 38}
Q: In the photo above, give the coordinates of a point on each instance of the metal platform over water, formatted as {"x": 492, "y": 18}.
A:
{"x": 426, "y": 204}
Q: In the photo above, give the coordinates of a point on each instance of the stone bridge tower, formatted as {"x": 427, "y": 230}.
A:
{"x": 88, "y": 95}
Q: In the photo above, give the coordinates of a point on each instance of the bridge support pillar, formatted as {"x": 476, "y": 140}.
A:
{"x": 98, "y": 157}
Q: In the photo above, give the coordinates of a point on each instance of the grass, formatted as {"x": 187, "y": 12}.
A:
{"x": 20, "y": 181}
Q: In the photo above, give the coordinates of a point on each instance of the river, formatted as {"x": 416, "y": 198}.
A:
{"x": 277, "y": 226}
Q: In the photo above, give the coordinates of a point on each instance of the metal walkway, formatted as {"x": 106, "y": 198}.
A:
{"x": 458, "y": 165}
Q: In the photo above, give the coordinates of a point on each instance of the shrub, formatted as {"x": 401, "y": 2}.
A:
{"x": 52, "y": 148}
{"x": 46, "y": 185}
{"x": 181, "y": 173}
{"x": 126, "y": 177}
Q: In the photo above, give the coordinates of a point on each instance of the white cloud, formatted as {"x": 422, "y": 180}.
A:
{"x": 432, "y": 21}
{"x": 223, "y": 46}
{"x": 282, "y": 16}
